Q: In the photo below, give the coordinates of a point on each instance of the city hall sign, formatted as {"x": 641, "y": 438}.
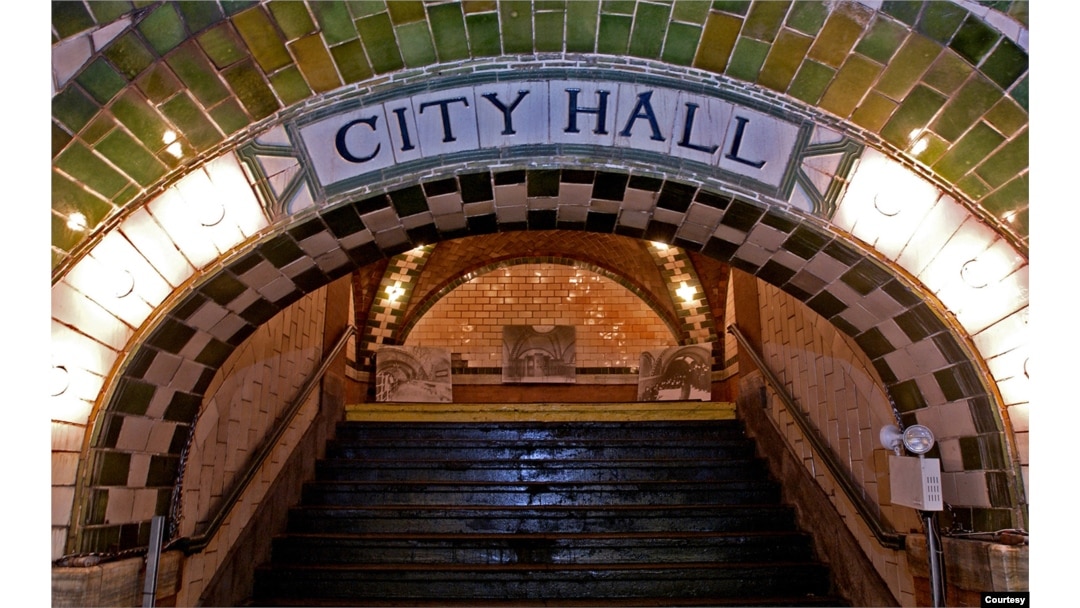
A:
{"x": 622, "y": 119}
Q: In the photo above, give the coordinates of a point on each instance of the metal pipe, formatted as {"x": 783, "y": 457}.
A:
{"x": 937, "y": 571}
{"x": 153, "y": 560}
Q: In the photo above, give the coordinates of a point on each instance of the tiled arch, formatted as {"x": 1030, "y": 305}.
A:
{"x": 826, "y": 271}
{"x": 952, "y": 72}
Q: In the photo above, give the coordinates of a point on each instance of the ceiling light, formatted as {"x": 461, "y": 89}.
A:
{"x": 918, "y": 439}
{"x": 686, "y": 292}
{"x": 77, "y": 222}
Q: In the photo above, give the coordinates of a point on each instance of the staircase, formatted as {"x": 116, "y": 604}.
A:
{"x": 651, "y": 513}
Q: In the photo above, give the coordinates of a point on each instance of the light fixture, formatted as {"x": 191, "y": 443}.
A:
{"x": 123, "y": 283}
{"x": 58, "y": 380}
{"x": 76, "y": 221}
{"x": 173, "y": 146}
{"x": 211, "y": 212}
{"x": 393, "y": 292}
{"x": 887, "y": 203}
{"x": 659, "y": 246}
{"x": 917, "y": 438}
{"x": 973, "y": 272}
{"x": 686, "y": 292}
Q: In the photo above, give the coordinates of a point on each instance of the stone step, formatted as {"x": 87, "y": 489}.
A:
{"x": 412, "y": 583}
{"x": 578, "y": 470}
{"x": 361, "y": 493}
{"x": 536, "y": 450}
{"x": 610, "y": 548}
{"x": 666, "y": 430}
{"x": 553, "y": 519}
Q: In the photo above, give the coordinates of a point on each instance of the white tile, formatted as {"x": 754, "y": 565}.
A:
{"x": 155, "y": 245}
{"x": 72, "y": 308}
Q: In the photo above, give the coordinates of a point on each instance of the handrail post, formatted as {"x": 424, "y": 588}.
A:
{"x": 153, "y": 560}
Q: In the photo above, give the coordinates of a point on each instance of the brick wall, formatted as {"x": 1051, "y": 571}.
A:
{"x": 613, "y": 325}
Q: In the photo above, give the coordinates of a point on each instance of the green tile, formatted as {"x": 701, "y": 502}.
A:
{"x": 448, "y": 30}
{"x": 222, "y": 46}
{"x": 973, "y": 186}
{"x": 850, "y": 85}
{"x": 1006, "y": 163}
{"x": 70, "y": 18}
{"x": 63, "y": 237}
{"x": 747, "y": 59}
{"x": 140, "y": 118}
{"x": 479, "y": 6}
{"x": 233, "y": 7}
{"x": 377, "y": 34}
{"x": 1020, "y": 93}
{"x": 717, "y": 41}
{"x": 765, "y": 19}
{"x": 73, "y": 108}
{"x": 690, "y": 11}
{"x": 1012, "y": 197}
{"x": 251, "y": 90}
{"x": 807, "y": 16}
{"x": 262, "y": 39}
{"x": 904, "y": 10}
{"x": 163, "y": 29}
{"x": 834, "y": 42}
{"x": 199, "y": 14}
{"x": 1006, "y": 63}
{"x": 913, "y": 115}
{"x": 159, "y": 83}
{"x": 681, "y": 44}
{"x": 229, "y": 116}
{"x": 948, "y": 72}
{"x": 112, "y": 468}
{"x": 873, "y": 112}
{"x": 614, "y": 34}
{"x": 60, "y": 138}
{"x": 406, "y": 11}
{"x": 1019, "y": 10}
{"x": 549, "y": 5}
{"x": 974, "y": 39}
{"x": 125, "y": 153}
{"x": 483, "y": 29}
{"x": 416, "y": 46}
{"x": 582, "y": 20}
{"x": 934, "y": 148}
{"x": 972, "y": 101}
{"x": 333, "y": 17}
{"x": 737, "y": 7}
{"x": 315, "y": 63}
{"x": 940, "y": 20}
{"x": 129, "y": 55}
{"x": 811, "y": 81}
{"x": 68, "y": 197}
{"x": 549, "y": 31}
{"x": 650, "y": 25}
{"x": 784, "y": 59}
{"x": 351, "y": 62}
{"x": 194, "y": 69}
{"x": 517, "y": 34}
{"x": 1007, "y": 117}
{"x": 883, "y": 39}
{"x": 101, "y": 80}
{"x": 293, "y": 17}
{"x": 197, "y": 128}
{"x": 907, "y": 66}
{"x": 618, "y": 7}
{"x": 98, "y": 128}
{"x": 976, "y": 145}
{"x": 81, "y": 164}
{"x": 106, "y": 11}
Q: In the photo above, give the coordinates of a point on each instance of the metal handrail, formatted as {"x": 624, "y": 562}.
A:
{"x": 196, "y": 543}
{"x": 885, "y": 537}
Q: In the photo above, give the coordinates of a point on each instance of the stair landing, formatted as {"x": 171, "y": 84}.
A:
{"x": 540, "y": 412}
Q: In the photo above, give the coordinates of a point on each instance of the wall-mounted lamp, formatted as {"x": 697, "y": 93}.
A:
{"x": 686, "y": 292}
{"x": 917, "y": 438}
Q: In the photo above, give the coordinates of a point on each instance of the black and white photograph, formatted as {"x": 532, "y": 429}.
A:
{"x": 539, "y": 353}
{"x": 677, "y": 373}
{"x": 413, "y": 374}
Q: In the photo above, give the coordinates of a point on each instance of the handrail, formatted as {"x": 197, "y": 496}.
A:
{"x": 885, "y": 537}
{"x": 197, "y": 543}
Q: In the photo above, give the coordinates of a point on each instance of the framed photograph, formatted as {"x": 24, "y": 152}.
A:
{"x": 539, "y": 353}
{"x": 415, "y": 374}
{"x": 677, "y": 373}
